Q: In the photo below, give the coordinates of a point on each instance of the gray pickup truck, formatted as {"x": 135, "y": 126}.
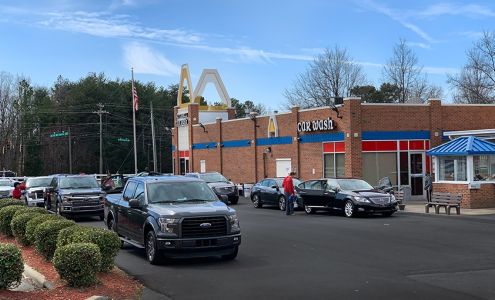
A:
{"x": 173, "y": 217}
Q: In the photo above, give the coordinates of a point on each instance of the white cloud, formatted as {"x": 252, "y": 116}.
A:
{"x": 420, "y": 45}
{"x": 398, "y": 16}
{"x": 145, "y": 60}
{"x": 471, "y": 10}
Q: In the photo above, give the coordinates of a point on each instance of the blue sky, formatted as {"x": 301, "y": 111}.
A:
{"x": 259, "y": 47}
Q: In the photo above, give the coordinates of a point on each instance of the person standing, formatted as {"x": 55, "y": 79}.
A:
{"x": 428, "y": 186}
{"x": 17, "y": 192}
{"x": 289, "y": 192}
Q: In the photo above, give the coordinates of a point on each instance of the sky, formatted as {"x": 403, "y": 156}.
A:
{"x": 258, "y": 47}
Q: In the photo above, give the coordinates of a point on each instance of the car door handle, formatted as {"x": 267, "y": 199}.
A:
{"x": 302, "y": 193}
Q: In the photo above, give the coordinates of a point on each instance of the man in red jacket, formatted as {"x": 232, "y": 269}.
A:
{"x": 17, "y": 192}
{"x": 289, "y": 192}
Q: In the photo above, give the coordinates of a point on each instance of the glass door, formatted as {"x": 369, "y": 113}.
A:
{"x": 417, "y": 169}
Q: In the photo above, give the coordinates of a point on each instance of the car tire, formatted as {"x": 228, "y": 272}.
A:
{"x": 232, "y": 255}
{"x": 387, "y": 214}
{"x": 349, "y": 209}
{"x": 257, "y": 201}
{"x": 58, "y": 209}
{"x": 102, "y": 217}
{"x": 309, "y": 210}
{"x": 281, "y": 202}
{"x": 235, "y": 200}
{"x": 151, "y": 249}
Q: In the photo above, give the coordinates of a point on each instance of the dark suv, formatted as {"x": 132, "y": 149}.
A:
{"x": 219, "y": 184}
{"x": 75, "y": 195}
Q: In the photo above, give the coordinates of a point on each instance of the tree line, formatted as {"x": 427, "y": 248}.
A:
{"x": 334, "y": 73}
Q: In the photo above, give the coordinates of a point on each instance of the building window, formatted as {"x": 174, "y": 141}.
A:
{"x": 452, "y": 168}
{"x": 334, "y": 165}
{"x": 377, "y": 165}
{"x": 484, "y": 167}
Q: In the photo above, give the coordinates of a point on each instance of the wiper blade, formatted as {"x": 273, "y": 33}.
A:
{"x": 196, "y": 200}
{"x": 164, "y": 201}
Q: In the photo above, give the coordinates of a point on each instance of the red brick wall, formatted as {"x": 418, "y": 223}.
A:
{"x": 483, "y": 197}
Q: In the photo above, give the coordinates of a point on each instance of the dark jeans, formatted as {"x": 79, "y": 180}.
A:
{"x": 428, "y": 195}
{"x": 289, "y": 204}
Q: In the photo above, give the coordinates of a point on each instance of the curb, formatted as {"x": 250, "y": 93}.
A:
{"x": 37, "y": 277}
{"x": 98, "y": 298}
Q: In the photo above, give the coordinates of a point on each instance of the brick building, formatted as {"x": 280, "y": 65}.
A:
{"x": 356, "y": 139}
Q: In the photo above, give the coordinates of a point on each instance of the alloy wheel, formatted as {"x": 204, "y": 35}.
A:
{"x": 150, "y": 247}
{"x": 349, "y": 209}
{"x": 281, "y": 203}
{"x": 309, "y": 209}
{"x": 256, "y": 201}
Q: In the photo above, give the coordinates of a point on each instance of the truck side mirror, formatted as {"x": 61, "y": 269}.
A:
{"x": 224, "y": 198}
{"x": 134, "y": 203}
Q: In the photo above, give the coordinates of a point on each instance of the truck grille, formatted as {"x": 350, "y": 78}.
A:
{"x": 198, "y": 227}
{"x": 85, "y": 202}
{"x": 39, "y": 194}
{"x": 225, "y": 190}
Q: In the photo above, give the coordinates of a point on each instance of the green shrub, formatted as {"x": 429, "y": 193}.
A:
{"x": 11, "y": 266}
{"x": 45, "y": 236}
{"x": 108, "y": 242}
{"x": 6, "y": 215}
{"x": 78, "y": 263}
{"x": 9, "y": 201}
{"x": 19, "y": 222}
{"x": 34, "y": 223}
{"x": 39, "y": 210}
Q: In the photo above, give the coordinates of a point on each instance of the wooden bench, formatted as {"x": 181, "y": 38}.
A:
{"x": 446, "y": 200}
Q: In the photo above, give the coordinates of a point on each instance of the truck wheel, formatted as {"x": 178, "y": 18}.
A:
{"x": 58, "y": 209}
{"x": 235, "y": 200}
{"x": 232, "y": 255}
{"x": 152, "y": 252}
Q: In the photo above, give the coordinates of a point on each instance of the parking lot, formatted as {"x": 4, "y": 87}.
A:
{"x": 323, "y": 256}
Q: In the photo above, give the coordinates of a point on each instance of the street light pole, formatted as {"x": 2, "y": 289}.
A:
{"x": 100, "y": 112}
{"x": 70, "y": 153}
{"x": 153, "y": 138}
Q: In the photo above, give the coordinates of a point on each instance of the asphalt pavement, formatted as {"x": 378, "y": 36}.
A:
{"x": 328, "y": 256}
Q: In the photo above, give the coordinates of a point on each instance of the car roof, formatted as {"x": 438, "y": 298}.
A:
{"x": 166, "y": 178}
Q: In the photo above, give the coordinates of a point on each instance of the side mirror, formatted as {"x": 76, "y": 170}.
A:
{"x": 106, "y": 187}
{"x": 224, "y": 198}
{"x": 274, "y": 187}
{"x": 134, "y": 203}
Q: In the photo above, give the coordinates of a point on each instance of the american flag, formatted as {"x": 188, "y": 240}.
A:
{"x": 135, "y": 98}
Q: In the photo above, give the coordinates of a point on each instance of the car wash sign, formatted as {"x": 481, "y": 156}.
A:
{"x": 182, "y": 120}
{"x": 315, "y": 125}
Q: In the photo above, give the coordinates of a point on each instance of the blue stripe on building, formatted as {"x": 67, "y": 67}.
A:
{"x": 236, "y": 143}
{"x": 281, "y": 140}
{"x": 396, "y": 135}
{"x": 201, "y": 146}
{"x": 173, "y": 148}
{"x": 321, "y": 137}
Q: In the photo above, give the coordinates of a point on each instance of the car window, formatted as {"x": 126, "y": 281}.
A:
{"x": 54, "y": 183}
{"x": 271, "y": 183}
{"x": 332, "y": 184}
{"x": 139, "y": 194}
{"x": 129, "y": 190}
{"x": 314, "y": 185}
{"x": 265, "y": 182}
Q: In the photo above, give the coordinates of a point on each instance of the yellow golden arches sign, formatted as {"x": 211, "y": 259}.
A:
{"x": 207, "y": 76}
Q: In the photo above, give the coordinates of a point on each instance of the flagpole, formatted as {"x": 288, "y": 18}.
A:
{"x": 134, "y": 123}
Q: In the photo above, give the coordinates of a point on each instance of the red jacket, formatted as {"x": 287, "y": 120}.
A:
{"x": 16, "y": 193}
{"x": 288, "y": 185}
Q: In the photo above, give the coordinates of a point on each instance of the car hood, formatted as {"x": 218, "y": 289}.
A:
{"x": 35, "y": 189}
{"x": 220, "y": 184}
{"x": 367, "y": 194}
{"x": 191, "y": 209}
{"x": 90, "y": 191}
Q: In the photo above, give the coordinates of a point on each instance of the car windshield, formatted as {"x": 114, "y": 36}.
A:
{"x": 173, "y": 192}
{"x": 354, "y": 184}
{"x": 5, "y": 183}
{"x": 295, "y": 181}
{"x": 78, "y": 182}
{"x": 38, "y": 182}
{"x": 213, "y": 177}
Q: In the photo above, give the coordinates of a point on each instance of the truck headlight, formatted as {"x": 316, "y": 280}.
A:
{"x": 234, "y": 223}
{"x": 361, "y": 199}
{"x": 392, "y": 198}
{"x": 65, "y": 199}
{"x": 167, "y": 225}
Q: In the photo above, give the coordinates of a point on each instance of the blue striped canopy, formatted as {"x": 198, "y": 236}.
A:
{"x": 467, "y": 145}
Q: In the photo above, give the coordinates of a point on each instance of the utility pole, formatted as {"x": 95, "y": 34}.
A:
{"x": 100, "y": 112}
{"x": 70, "y": 153}
{"x": 153, "y": 138}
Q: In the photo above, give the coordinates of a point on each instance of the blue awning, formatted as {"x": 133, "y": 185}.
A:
{"x": 468, "y": 145}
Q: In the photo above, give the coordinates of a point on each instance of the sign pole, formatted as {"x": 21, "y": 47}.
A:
{"x": 134, "y": 123}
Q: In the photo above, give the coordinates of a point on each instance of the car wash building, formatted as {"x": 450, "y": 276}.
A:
{"x": 352, "y": 139}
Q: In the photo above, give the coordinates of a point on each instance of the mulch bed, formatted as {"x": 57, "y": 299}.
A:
{"x": 115, "y": 284}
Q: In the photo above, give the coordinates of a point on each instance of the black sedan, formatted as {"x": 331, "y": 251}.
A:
{"x": 351, "y": 196}
{"x": 269, "y": 191}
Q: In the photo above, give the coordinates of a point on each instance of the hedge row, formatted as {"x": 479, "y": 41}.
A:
{"x": 11, "y": 266}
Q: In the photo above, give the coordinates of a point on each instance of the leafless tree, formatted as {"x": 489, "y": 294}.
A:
{"x": 476, "y": 81}
{"x": 331, "y": 74}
